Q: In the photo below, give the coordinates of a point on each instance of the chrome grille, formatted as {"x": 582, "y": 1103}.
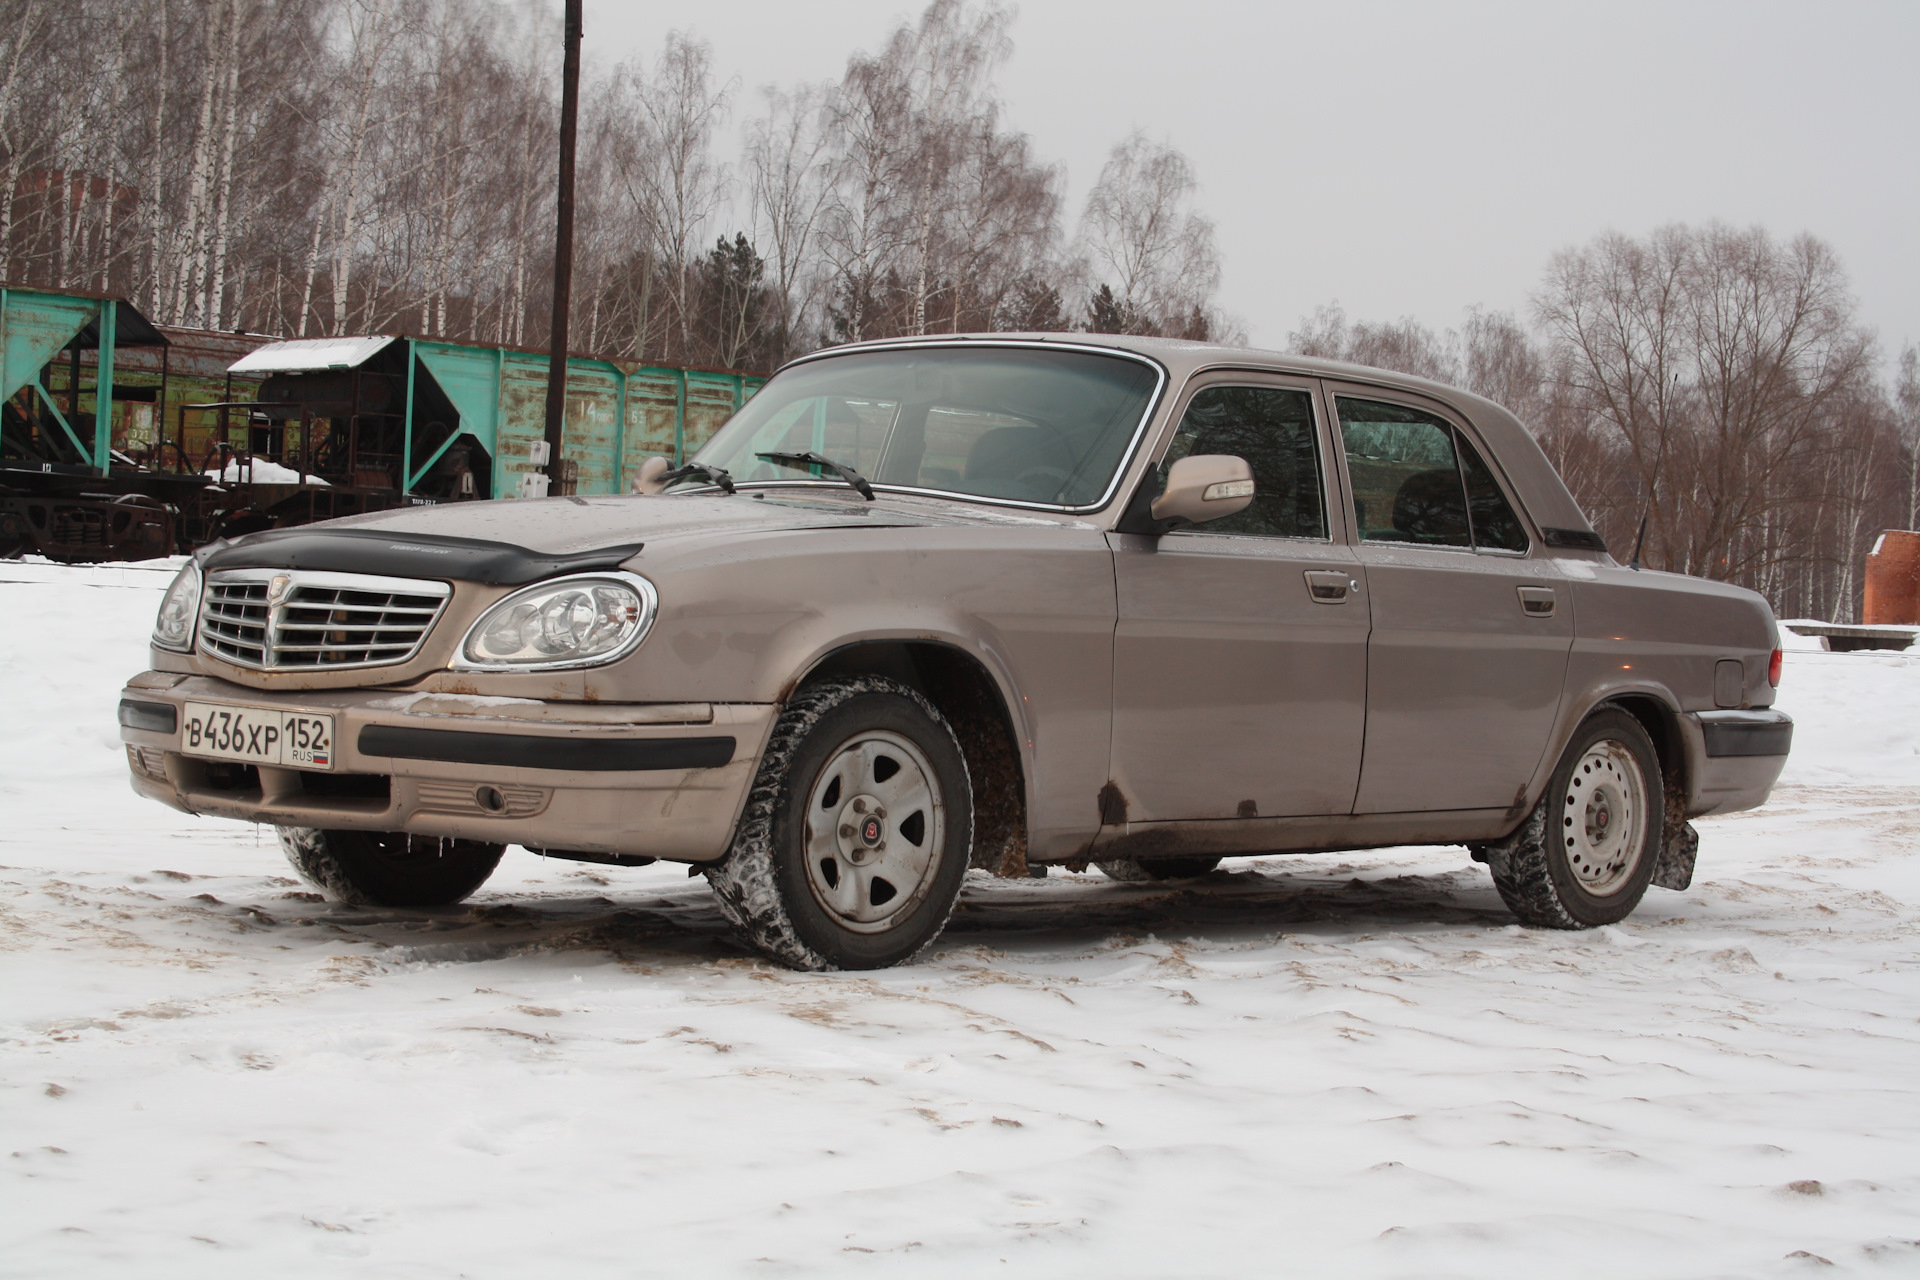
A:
{"x": 294, "y": 619}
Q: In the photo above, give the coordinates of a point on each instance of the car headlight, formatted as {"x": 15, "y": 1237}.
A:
{"x": 179, "y": 611}
{"x": 582, "y": 621}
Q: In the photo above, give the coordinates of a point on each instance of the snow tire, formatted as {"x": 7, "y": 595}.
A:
{"x": 763, "y": 882}
{"x": 389, "y": 868}
{"x": 1537, "y": 877}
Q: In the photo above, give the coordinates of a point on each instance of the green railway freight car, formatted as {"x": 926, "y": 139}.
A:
{"x": 157, "y": 377}
{"x": 47, "y": 411}
{"x": 79, "y": 481}
{"x": 443, "y": 421}
{"x": 208, "y": 435}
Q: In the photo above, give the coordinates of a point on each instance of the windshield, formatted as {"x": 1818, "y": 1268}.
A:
{"x": 1024, "y": 425}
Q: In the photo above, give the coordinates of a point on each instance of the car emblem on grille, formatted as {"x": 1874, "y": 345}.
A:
{"x": 277, "y": 590}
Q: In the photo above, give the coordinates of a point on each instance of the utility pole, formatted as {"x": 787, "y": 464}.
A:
{"x": 563, "y": 255}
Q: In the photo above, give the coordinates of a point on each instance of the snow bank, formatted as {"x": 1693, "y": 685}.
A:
{"x": 1343, "y": 1065}
{"x": 1856, "y": 717}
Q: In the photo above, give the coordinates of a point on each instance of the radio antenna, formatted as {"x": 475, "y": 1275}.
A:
{"x": 1653, "y": 480}
{"x": 1640, "y": 539}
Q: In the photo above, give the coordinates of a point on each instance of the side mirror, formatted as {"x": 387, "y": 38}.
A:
{"x": 647, "y": 478}
{"x": 1203, "y": 487}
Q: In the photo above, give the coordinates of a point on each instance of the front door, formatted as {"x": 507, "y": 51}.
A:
{"x": 1468, "y": 655}
{"x": 1240, "y": 650}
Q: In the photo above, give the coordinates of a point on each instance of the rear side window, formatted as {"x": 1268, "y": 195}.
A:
{"x": 1416, "y": 479}
{"x": 1494, "y": 524}
{"x": 1272, "y": 428}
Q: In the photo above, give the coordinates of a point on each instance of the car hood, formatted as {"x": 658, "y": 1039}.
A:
{"x": 521, "y": 540}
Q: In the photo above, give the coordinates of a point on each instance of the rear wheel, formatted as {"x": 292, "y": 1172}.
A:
{"x": 389, "y": 868}
{"x": 855, "y": 838}
{"x": 1586, "y": 853}
{"x": 1146, "y": 870}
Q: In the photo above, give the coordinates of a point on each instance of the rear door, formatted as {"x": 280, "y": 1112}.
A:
{"x": 1468, "y": 654}
{"x": 1240, "y": 648}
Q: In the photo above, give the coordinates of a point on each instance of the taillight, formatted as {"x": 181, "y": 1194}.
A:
{"x": 1773, "y": 668}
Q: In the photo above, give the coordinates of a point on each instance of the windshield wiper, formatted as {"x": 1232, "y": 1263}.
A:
{"x": 811, "y": 459}
{"x": 713, "y": 475}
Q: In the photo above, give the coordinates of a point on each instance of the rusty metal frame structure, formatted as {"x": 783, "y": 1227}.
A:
{"x": 475, "y": 377}
{"x": 25, "y": 339}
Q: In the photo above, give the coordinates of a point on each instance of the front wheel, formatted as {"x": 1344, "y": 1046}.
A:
{"x": 855, "y": 838}
{"x": 1586, "y": 853}
{"x": 389, "y": 868}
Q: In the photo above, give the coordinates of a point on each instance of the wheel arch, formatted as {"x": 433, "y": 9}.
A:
{"x": 974, "y": 702}
{"x": 1662, "y": 721}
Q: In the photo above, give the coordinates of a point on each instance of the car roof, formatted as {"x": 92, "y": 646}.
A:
{"x": 1516, "y": 451}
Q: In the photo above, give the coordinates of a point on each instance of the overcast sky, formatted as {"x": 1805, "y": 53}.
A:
{"x": 1417, "y": 159}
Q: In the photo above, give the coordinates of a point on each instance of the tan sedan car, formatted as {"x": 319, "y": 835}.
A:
{"x": 1003, "y": 602}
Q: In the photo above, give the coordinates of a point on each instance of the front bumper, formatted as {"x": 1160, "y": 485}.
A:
{"x": 662, "y": 780}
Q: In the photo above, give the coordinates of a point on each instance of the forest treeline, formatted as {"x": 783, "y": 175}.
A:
{"x": 318, "y": 167}
{"x": 315, "y": 167}
{"x": 1710, "y": 385}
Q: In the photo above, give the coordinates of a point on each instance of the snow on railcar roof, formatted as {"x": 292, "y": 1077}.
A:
{"x": 303, "y": 354}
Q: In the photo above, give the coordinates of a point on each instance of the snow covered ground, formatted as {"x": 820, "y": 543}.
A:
{"x": 1325, "y": 1066}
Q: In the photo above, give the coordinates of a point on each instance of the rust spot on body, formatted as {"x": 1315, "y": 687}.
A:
{"x": 1113, "y": 806}
{"x": 1248, "y": 809}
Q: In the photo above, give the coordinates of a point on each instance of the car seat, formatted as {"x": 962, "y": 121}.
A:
{"x": 1431, "y": 507}
{"x": 1006, "y": 454}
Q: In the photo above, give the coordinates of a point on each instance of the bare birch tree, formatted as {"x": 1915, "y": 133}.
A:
{"x": 1143, "y": 241}
{"x": 791, "y": 175}
{"x": 1906, "y": 400}
{"x": 1403, "y": 345}
{"x": 867, "y": 219}
{"x": 1720, "y": 358}
{"x": 325, "y": 166}
{"x": 674, "y": 179}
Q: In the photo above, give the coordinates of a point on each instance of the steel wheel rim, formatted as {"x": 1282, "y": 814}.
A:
{"x": 874, "y": 796}
{"x": 1603, "y": 819}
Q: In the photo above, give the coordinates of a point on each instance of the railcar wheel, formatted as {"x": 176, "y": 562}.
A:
{"x": 1147, "y": 870}
{"x": 389, "y": 868}
{"x": 1586, "y": 853}
{"x": 855, "y": 838}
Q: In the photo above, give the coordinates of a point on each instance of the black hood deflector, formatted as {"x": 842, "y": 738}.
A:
{"x": 496, "y": 564}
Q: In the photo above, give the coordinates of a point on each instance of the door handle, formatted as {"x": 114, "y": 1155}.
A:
{"x": 1330, "y": 586}
{"x": 1536, "y": 602}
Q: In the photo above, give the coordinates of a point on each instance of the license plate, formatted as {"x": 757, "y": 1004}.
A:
{"x": 258, "y": 735}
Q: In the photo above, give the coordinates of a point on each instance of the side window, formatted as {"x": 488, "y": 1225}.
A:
{"x": 1406, "y": 478}
{"x": 1494, "y": 523}
{"x": 1272, "y": 429}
